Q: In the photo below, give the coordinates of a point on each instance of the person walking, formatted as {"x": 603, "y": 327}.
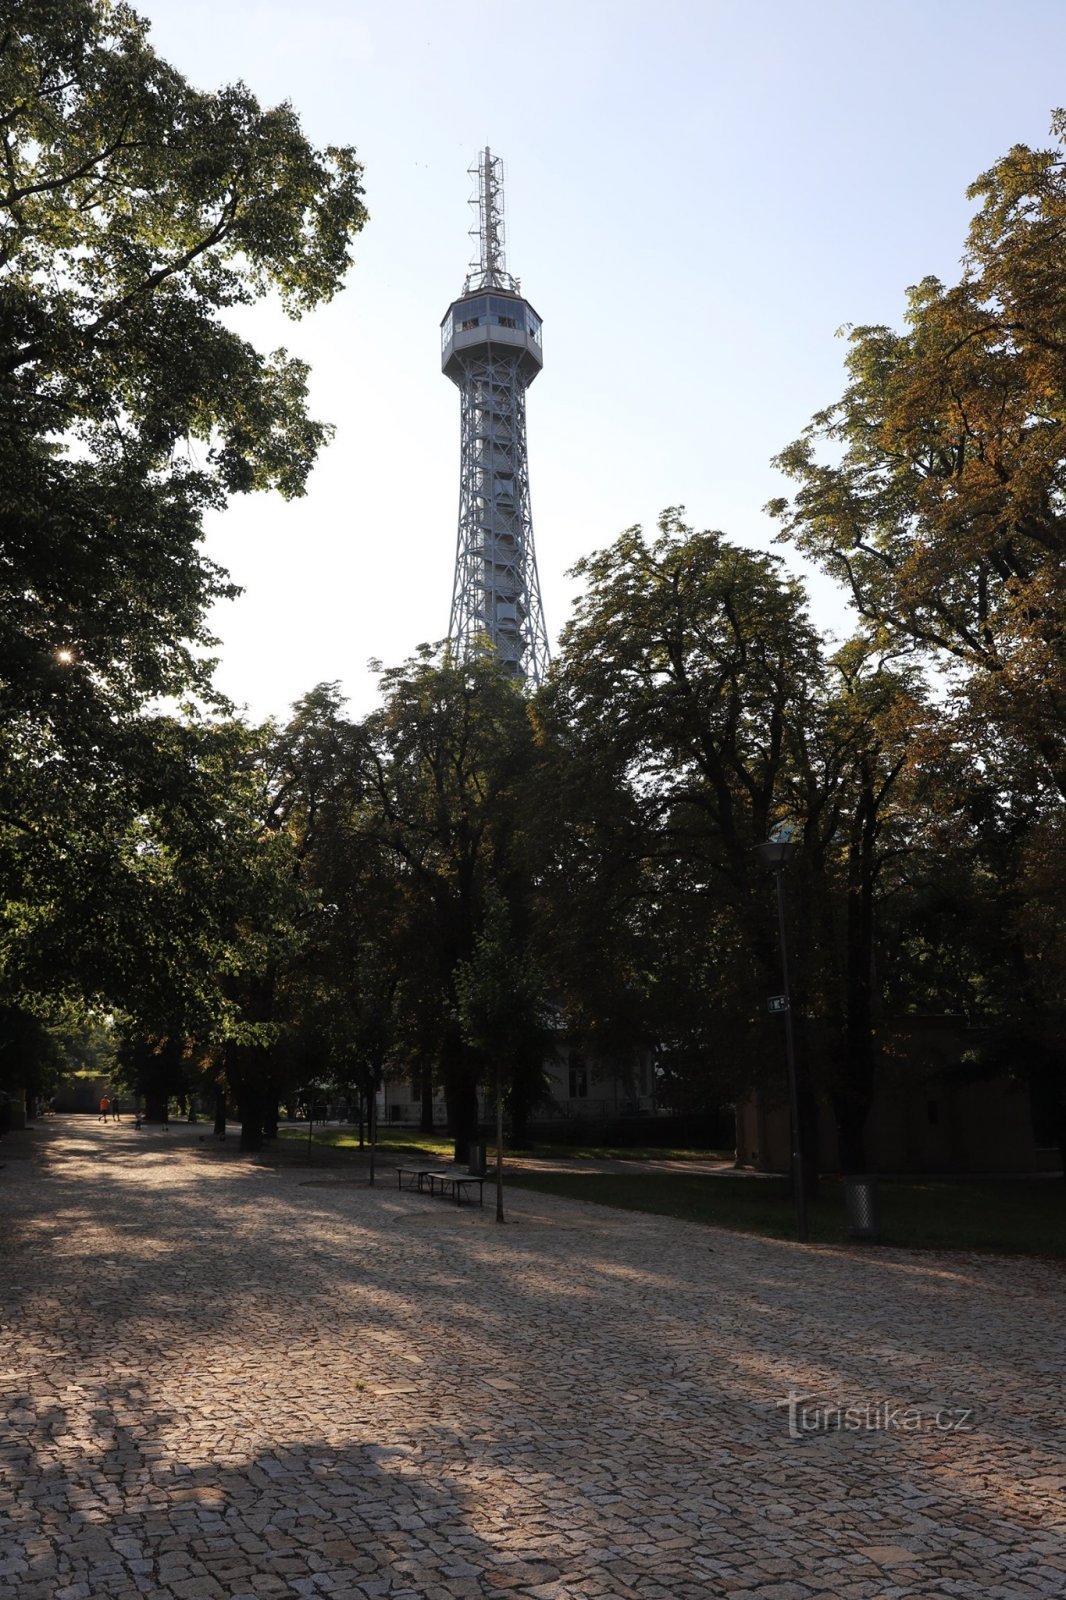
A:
{"x": 115, "y": 1117}
{"x": 105, "y": 1106}
{"x": 166, "y": 1116}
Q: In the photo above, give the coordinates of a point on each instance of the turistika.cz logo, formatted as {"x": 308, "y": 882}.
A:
{"x": 808, "y": 1414}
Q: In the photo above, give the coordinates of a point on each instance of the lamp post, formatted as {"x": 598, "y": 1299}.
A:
{"x": 774, "y": 854}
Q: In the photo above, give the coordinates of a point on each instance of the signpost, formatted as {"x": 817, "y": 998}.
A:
{"x": 777, "y": 1002}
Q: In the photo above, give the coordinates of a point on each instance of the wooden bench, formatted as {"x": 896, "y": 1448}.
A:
{"x": 439, "y": 1180}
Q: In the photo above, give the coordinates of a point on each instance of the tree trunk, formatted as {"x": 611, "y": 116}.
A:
{"x": 808, "y": 1108}
{"x": 809, "y": 1119}
{"x": 499, "y": 1148}
{"x": 270, "y": 1118}
{"x": 426, "y": 1120}
{"x": 220, "y": 1112}
{"x": 250, "y": 1110}
{"x": 462, "y": 1119}
{"x": 525, "y": 1084}
{"x": 460, "y": 1092}
{"x": 854, "y": 1096}
{"x": 850, "y": 1117}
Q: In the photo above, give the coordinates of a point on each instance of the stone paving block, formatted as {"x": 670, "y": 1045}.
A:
{"x": 227, "y": 1382}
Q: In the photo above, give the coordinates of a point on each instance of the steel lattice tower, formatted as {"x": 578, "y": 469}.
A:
{"x": 491, "y": 350}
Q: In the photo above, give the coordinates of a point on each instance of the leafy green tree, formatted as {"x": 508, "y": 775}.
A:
{"x": 686, "y": 667}
{"x": 30, "y": 1057}
{"x": 691, "y": 710}
{"x": 444, "y": 767}
{"x": 1003, "y": 941}
{"x": 864, "y": 781}
{"x": 939, "y": 502}
{"x": 135, "y": 213}
{"x": 500, "y": 1002}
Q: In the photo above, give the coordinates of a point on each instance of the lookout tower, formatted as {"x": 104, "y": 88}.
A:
{"x": 491, "y": 350}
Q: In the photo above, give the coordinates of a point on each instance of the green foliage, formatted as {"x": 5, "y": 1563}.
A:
{"x": 30, "y": 1058}
{"x": 135, "y": 213}
{"x": 684, "y": 681}
{"x": 500, "y": 1000}
{"x": 941, "y": 502}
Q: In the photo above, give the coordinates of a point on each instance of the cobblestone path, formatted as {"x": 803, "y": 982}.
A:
{"x": 222, "y": 1380}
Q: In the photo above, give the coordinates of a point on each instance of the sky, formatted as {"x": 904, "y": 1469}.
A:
{"x": 699, "y": 195}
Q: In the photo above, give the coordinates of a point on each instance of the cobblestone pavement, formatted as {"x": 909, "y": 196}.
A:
{"x": 222, "y": 1380}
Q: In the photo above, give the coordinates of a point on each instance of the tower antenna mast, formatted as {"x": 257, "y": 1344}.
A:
{"x": 489, "y": 268}
{"x": 491, "y": 349}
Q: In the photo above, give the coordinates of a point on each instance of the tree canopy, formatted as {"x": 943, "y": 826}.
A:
{"x": 471, "y": 878}
{"x": 135, "y": 212}
{"x": 941, "y": 502}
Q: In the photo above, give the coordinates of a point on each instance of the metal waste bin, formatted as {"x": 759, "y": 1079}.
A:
{"x": 860, "y": 1200}
{"x": 477, "y": 1166}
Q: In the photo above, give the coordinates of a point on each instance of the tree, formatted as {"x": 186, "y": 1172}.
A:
{"x": 863, "y": 782}
{"x": 687, "y": 665}
{"x": 500, "y": 1003}
{"x": 444, "y": 771}
{"x": 30, "y": 1058}
{"x": 942, "y": 502}
{"x": 135, "y": 212}
{"x": 692, "y": 709}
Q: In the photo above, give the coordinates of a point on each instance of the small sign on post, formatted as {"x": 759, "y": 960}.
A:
{"x": 777, "y": 1002}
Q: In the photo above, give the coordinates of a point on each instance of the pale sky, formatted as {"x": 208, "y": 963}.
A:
{"x": 698, "y": 195}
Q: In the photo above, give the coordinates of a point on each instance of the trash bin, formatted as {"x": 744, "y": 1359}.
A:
{"x": 860, "y": 1200}
{"x": 477, "y": 1168}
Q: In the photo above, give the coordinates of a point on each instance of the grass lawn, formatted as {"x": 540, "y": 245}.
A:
{"x": 1018, "y": 1217}
{"x": 405, "y": 1142}
{"x": 408, "y": 1141}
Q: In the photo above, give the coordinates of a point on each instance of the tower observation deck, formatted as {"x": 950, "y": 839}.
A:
{"x": 491, "y": 350}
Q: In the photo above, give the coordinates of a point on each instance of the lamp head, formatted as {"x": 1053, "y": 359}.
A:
{"x": 776, "y": 852}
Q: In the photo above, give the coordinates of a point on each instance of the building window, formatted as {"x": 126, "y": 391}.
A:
{"x": 579, "y": 1079}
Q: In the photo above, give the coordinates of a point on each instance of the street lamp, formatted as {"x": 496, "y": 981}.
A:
{"x": 774, "y": 854}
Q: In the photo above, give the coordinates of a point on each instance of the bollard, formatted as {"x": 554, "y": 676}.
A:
{"x": 860, "y": 1200}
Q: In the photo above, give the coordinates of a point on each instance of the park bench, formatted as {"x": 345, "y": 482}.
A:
{"x": 416, "y": 1177}
{"x": 439, "y": 1180}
